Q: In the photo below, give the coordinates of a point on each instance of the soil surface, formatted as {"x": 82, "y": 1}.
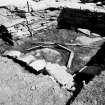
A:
{"x": 18, "y": 86}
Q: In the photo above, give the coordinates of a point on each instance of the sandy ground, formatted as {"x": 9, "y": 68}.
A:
{"x": 19, "y": 87}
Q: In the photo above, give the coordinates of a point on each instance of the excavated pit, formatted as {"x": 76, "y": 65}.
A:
{"x": 95, "y": 66}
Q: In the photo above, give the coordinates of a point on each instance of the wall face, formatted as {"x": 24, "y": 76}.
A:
{"x": 82, "y": 19}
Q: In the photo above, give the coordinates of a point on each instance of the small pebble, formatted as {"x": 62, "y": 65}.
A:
{"x": 33, "y": 87}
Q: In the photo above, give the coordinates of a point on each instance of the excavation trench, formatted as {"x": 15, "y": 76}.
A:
{"x": 92, "y": 68}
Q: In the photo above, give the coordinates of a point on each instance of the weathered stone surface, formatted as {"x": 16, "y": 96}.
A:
{"x": 27, "y": 58}
{"x": 38, "y": 64}
{"x": 60, "y": 74}
{"x": 85, "y": 31}
{"x": 54, "y": 69}
{"x": 90, "y": 41}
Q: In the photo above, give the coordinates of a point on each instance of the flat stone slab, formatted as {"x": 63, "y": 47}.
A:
{"x": 56, "y": 71}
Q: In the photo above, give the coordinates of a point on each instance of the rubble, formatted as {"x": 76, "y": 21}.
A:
{"x": 38, "y": 21}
